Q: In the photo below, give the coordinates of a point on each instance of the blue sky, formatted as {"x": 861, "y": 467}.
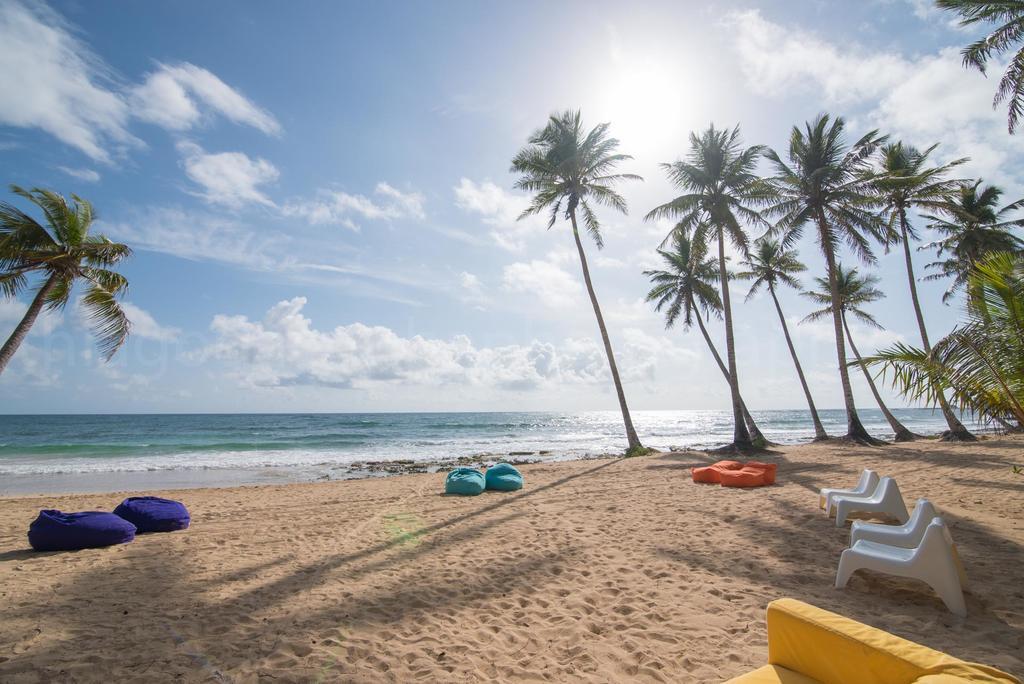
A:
{"x": 322, "y": 213}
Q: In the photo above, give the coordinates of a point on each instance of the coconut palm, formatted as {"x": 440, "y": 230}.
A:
{"x": 568, "y": 168}
{"x": 60, "y": 253}
{"x": 825, "y": 184}
{"x": 981, "y": 362}
{"x": 770, "y": 265}
{"x": 720, "y": 187}
{"x": 972, "y": 227}
{"x": 907, "y": 182}
{"x": 685, "y": 289}
{"x": 1005, "y": 36}
{"x": 854, "y": 292}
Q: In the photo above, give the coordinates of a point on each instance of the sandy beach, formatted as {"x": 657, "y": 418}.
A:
{"x": 599, "y": 570}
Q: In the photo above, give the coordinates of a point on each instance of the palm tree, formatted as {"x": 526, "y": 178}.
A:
{"x": 854, "y": 292}
{"x": 981, "y": 362}
{"x": 1009, "y": 17}
{"x": 61, "y": 252}
{"x": 769, "y": 265}
{"x": 686, "y": 288}
{"x": 906, "y": 183}
{"x": 719, "y": 184}
{"x": 567, "y": 168}
{"x": 826, "y": 184}
{"x": 972, "y": 227}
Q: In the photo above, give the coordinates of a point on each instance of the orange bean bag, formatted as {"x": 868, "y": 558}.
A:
{"x": 744, "y": 477}
{"x": 768, "y": 468}
{"x": 712, "y": 474}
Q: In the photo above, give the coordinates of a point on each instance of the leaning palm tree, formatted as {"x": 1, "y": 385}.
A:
{"x": 60, "y": 253}
{"x": 972, "y": 227}
{"x": 981, "y": 362}
{"x": 907, "y": 182}
{"x": 720, "y": 186}
{"x": 770, "y": 265}
{"x": 685, "y": 289}
{"x": 854, "y": 292}
{"x": 1005, "y": 36}
{"x": 826, "y": 184}
{"x": 567, "y": 168}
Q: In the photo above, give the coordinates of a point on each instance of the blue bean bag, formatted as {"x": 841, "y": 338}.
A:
{"x": 56, "y": 531}
{"x": 464, "y": 481}
{"x": 153, "y": 514}
{"x": 503, "y": 477}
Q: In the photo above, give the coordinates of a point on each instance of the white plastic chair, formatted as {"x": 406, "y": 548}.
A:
{"x": 865, "y": 485}
{"x": 933, "y": 561}
{"x": 885, "y": 499}
{"x": 906, "y": 536}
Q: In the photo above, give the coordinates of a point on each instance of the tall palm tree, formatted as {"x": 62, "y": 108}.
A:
{"x": 720, "y": 186}
{"x": 61, "y": 252}
{"x": 972, "y": 227}
{"x": 1008, "y": 15}
{"x": 826, "y": 184}
{"x": 770, "y": 265}
{"x": 686, "y": 288}
{"x": 908, "y": 183}
{"x": 567, "y": 168}
{"x": 854, "y": 292}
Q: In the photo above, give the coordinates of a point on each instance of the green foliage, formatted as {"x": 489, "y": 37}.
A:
{"x": 64, "y": 251}
{"x": 855, "y": 291}
{"x": 685, "y": 284}
{"x": 639, "y": 450}
{"x": 566, "y": 168}
{"x": 981, "y": 362}
{"x": 1008, "y": 17}
{"x": 770, "y": 264}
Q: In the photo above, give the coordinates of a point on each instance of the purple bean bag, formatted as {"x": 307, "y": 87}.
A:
{"x": 56, "y": 531}
{"x": 153, "y": 514}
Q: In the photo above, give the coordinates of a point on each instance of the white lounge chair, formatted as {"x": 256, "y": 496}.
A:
{"x": 867, "y": 483}
{"x": 886, "y": 499}
{"x": 906, "y": 536}
{"x": 933, "y": 561}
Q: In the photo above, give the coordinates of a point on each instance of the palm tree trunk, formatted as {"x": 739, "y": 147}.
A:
{"x": 741, "y": 438}
{"x": 957, "y": 431}
{"x": 21, "y": 331}
{"x": 819, "y": 429}
{"x": 755, "y": 433}
{"x": 854, "y": 428}
{"x": 631, "y": 438}
{"x": 902, "y": 433}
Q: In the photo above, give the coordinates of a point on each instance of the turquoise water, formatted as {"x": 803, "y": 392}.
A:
{"x": 327, "y": 443}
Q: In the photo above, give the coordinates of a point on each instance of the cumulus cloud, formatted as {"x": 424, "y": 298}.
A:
{"x": 174, "y": 97}
{"x": 51, "y": 80}
{"x": 544, "y": 279}
{"x": 144, "y": 325}
{"x": 284, "y": 349}
{"x": 230, "y": 179}
{"x": 341, "y": 208}
{"x": 498, "y": 209}
{"x": 925, "y": 99}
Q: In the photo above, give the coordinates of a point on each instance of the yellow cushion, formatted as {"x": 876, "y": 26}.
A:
{"x": 833, "y": 649}
{"x": 772, "y": 674}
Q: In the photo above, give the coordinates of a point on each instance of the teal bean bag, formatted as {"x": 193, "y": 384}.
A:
{"x": 464, "y": 481}
{"x": 504, "y": 478}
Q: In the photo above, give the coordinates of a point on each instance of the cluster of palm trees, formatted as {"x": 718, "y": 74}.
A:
{"x": 856, "y": 196}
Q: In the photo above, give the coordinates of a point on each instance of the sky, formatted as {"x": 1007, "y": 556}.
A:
{"x": 323, "y": 218}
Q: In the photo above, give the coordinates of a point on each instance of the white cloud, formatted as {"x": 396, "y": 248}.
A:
{"x": 51, "y": 80}
{"x": 472, "y": 290}
{"x": 144, "y": 325}
{"x": 498, "y": 209}
{"x": 32, "y": 366}
{"x": 284, "y": 349}
{"x": 231, "y": 179}
{"x": 13, "y": 310}
{"x": 86, "y": 175}
{"x": 171, "y": 95}
{"x": 338, "y": 208}
{"x": 553, "y": 286}
{"x": 926, "y": 99}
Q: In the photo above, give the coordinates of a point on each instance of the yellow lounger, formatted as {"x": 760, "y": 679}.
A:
{"x": 808, "y": 645}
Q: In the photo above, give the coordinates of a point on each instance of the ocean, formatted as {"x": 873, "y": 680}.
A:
{"x": 51, "y": 453}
